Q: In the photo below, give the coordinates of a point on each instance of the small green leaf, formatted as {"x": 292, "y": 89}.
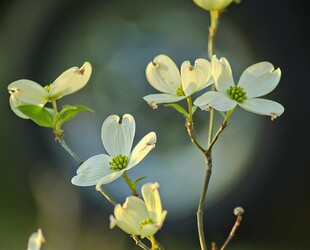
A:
{"x": 134, "y": 185}
{"x": 67, "y": 113}
{"x": 40, "y": 115}
{"x": 178, "y": 108}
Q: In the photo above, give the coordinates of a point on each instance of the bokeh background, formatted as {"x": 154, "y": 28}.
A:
{"x": 260, "y": 165}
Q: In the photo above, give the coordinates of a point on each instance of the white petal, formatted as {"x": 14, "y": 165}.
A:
{"x": 197, "y": 77}
{"x": 145, "y": 145}
{"x": 92, "y": 170}
{"x": 70, "y": 81}
{"x": 155, "y": 99}
{"x": 259, "y": 79}
{"x": 152, "y": 200}
{"x": 263, "y": 107}
{"x": 149, "y": 229}
{"x": 28, "y": 92}
{"x": 14, "y": 103}
{"x": 222, "y": 74}
{"x": 112, "y": 176}
{"x": 117, "y": 138}
{"x": 163, "y": 74}
{"x": 216, "y": 100}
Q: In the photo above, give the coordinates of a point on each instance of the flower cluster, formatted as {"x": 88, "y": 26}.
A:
{"x": 163, "y": 74}
{"x": 26, "y": 92}
{"x": 257, "y": 80}
{"x": 143, "y": 217}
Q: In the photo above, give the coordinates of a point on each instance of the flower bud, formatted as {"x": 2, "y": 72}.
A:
{"x": 238, "y": 211}
{"x": 214, "y": 4}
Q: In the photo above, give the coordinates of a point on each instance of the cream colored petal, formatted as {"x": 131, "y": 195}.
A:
{"x": 14, "y": 103}
{"x": 222, "y": 74}
{"x": 152, "y": 200}
{"x": 70, "y": 81}
{"x": 148, "y": 230}
{"x": 129, "y": 216}
{"x": 259, "y": 79}
{"x": 263, "y": 107}
{"x": 117, "y": 136}
{"x": 92, "y": 171}
{"x": 28, "y": 92}
{"x": 197, "y": 77}
{"x": 155, "y": 99}
{"x": 144, "y": 146}
{"x": 216, "y": 100}
{"x": 163, "y": 74}
{"x": 36, "y": 240}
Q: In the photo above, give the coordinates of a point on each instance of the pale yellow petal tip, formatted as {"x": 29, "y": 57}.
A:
{"x": 86, "y": 67}
{"x": 273, "y": 116}
{"x": 36, "y": 240}
{"x": 112, "y": 221}
{"x": 155, "y": 186}
{"x": 153, "y": 105}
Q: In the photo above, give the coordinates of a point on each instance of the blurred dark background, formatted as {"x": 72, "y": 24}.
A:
{"x": 41, "y": 39}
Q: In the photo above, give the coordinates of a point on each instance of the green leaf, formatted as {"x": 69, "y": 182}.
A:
{"x": 40, "y": 115}
{"x": 134, "y": 185}
{"x": 67, "y": 113}
{"x": 178, "y": 108}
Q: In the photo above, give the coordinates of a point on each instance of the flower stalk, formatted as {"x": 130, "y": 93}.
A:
{"x": 69, "y": 150}
{"x": 214, "y": 15}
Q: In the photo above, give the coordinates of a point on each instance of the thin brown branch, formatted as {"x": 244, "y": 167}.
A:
{"x": 238, "y": 211}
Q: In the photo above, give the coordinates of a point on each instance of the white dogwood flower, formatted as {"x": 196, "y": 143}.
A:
{"x": 117, "y": 138}
{"x": 214, "y": 4}
{"x": 163, "y": 74}
{"x": 138, "y": 217}
{"x": 27, "y": 92}
{"x": 257, "y": 80}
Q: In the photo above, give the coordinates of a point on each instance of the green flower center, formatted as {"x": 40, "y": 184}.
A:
{"x": 119, "y": 162}
{"x": 180, "y": 91}
{"x": 145, "y": 222}
{"x": 237, "y": 93}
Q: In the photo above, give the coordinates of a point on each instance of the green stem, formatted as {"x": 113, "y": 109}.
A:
{"x": 190, "y": 125}
{"x": 139, "y": 242}
{"x": 66, "y": 147}
{"x": 153, "y": 242}
{"x": 107, "y": 196}
{"x": 201, "y": 203}
{"x": 220, "y": 130}
{"x": 54, "y": 105}
{"x": 214, "y": 16}
{"x": 129, "y": 183}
